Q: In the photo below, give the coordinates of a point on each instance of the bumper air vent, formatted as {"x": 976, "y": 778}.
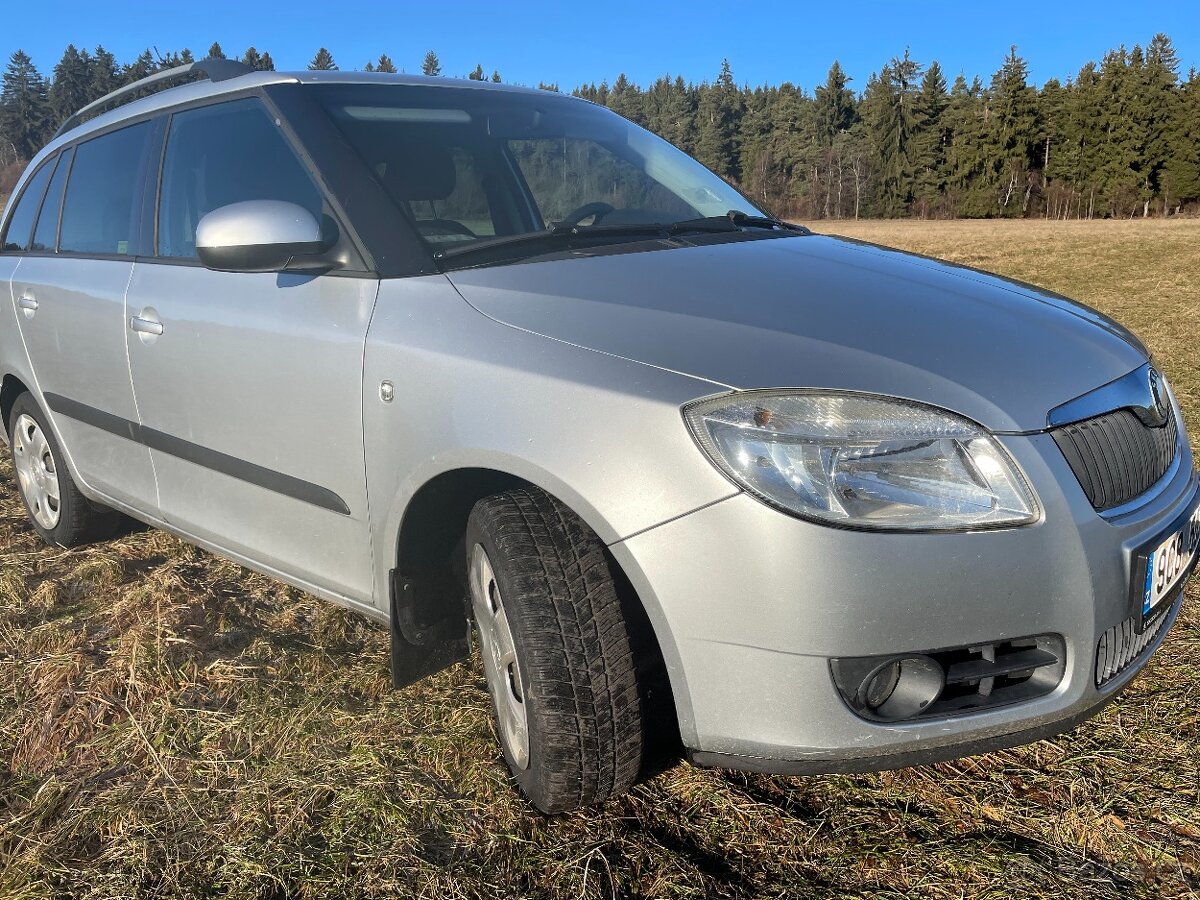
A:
{"x": 1122, "y": 647}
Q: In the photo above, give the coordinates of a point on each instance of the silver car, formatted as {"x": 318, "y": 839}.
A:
{"x": 451, "y": 353}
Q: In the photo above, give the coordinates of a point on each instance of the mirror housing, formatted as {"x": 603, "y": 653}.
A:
{"x": 260, "y": 236}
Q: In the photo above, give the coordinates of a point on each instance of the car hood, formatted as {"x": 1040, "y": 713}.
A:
{"x": 821, "y": 312}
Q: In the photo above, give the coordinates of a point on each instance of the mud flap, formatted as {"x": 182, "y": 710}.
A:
{"x": 422, "y": 644}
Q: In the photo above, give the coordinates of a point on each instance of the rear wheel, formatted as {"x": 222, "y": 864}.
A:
{"x": 557, "y": 650}
{"x": 59, "y": 513}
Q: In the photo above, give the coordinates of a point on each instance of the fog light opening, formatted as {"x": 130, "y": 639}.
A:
{"x": 902, "y": 687}
{"x": 881, "y": 684}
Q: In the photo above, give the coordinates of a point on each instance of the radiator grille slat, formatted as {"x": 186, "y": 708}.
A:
{"x": 1115, "y": 457}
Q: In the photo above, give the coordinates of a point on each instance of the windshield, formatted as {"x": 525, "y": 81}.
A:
{"x": 473, "y": 165}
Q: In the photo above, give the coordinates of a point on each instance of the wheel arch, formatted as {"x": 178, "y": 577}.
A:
{"x": 428, "y": 585}
{"x": 11, "y": 387}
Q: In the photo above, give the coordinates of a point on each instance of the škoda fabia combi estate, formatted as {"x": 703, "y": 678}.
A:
{"x": 448, "y": 353}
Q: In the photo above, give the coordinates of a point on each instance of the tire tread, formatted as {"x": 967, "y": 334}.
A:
{"x": 578, "y": 647}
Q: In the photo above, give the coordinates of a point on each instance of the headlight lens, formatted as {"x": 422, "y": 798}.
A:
{"x": 863, "y": 461}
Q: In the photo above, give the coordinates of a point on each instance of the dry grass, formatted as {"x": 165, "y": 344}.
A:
{"x": 171, "y": 725}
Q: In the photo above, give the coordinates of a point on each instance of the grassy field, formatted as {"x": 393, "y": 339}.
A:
{"x": 172, "y": 725}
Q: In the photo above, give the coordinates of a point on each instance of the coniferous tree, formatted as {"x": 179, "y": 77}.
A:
{"x": 834, "y": 105}
{"x": 1118, "y": 183}
{"x": 1051, "y": 148}
{"x": 1180, "y": 178}
{"x": 172, "y": 59}
{"x": 385, "y": 64}
{"x": 477, "y": 74}
{"x": 322, "y": 62}
{"x": 677, "y": 113}
{"x": 756, "y": 143}
{"x": 930, "y": 141}
{"x": 1012, "y": 135}
{"x": 495, "y": 76}
{"x": 625, "y": 99}
{"x": 141, "y": 67}
{"x": 965, "y": 120}
{"x": 215, "y": 52}
{"x": 69, "y": 91}
{"x": 432, "y": 65}
{"x": 1160, "y": 99}
{"x": 104, "y": 77}
{"x": 890, "y": 111}
{"x": 24, "y": 106}
{"x": 719, "y": 112}
{"x": 261, "y": 62}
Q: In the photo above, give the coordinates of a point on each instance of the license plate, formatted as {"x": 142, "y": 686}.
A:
{"x": 1167, "y": 565}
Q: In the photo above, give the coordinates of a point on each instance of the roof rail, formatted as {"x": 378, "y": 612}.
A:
{"x": 213, "y": 69}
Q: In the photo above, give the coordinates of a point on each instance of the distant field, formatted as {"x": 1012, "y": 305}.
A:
{"x": 172, "y": 725}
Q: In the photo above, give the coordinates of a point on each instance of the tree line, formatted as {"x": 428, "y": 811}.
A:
{"x": 1120, "y": 139}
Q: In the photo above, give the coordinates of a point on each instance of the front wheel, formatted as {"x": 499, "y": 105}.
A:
{"x": 557, "y": 649}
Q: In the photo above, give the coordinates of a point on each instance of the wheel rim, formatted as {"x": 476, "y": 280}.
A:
{"x": 499, "y": 657}
{"x": 37, "y": 473}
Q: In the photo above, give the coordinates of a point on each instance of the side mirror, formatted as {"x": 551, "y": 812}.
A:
{"x": 259, "y": 236}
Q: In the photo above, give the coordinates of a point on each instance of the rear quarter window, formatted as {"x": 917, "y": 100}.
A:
{"x": 102, "y": 210}
{"x": 46, "y": 230}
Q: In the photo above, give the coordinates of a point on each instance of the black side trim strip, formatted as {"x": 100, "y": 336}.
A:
{"x": 268, "y": 479}
{"x": 96, "y": 418}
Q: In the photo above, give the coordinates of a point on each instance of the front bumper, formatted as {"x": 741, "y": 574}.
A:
{"x": 750, "y": 605}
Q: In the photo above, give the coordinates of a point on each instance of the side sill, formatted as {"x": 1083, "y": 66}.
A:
{"x": 376, "y": 615}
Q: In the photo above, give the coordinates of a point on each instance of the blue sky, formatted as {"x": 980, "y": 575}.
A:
{"x": 571, "y": 42}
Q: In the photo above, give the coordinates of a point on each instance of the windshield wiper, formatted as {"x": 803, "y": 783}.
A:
{"x": 742, "y": 219}
{"x": 734, "y": 220}
{"x": 560, "y": 237}
{"x": 553, "y": 238}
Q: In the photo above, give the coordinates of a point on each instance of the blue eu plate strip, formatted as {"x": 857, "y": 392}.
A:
{"x": 1149, "y": 584}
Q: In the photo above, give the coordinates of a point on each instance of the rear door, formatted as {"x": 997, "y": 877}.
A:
{"x": 251, "y": 396}
{"x": 70, "y": 296}
{"x": 14, "y": 242}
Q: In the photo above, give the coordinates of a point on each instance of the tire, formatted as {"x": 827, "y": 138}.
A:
{"x": 69, "y": 519}
{"x": 568, "y": 663}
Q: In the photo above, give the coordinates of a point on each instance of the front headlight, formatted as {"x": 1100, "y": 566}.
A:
{"x": 863, "y": 461}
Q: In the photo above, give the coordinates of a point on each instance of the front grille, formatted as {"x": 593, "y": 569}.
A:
{"x": 1115, "y": 457}
{"x": 1121, "y": 646}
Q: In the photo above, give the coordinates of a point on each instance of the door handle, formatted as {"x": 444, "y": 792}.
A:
{"x": 28, "y": 303}
{"x": 145, "y": 326}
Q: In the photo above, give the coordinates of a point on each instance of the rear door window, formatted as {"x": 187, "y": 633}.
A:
{"x": 101, "y": 213}
{"x": 223, "y": 154}
{"x": 46, "y": 232}
{"x": 20, "y": 223}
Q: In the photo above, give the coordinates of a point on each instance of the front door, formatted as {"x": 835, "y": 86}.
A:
{"x": 250, "y": 385}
